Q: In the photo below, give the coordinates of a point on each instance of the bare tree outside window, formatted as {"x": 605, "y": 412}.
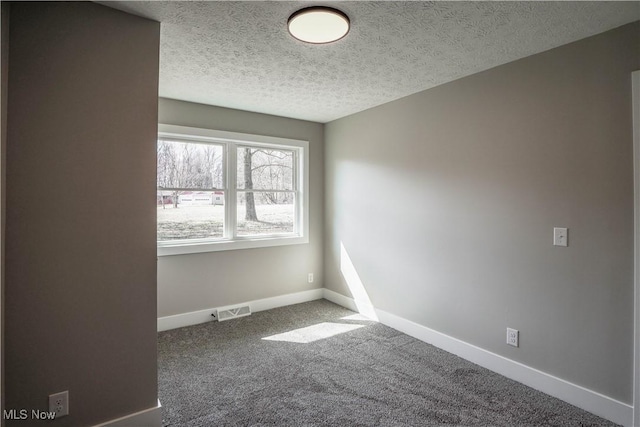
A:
{"x": 266, "y": 176}
{"x": 250, "y": 212}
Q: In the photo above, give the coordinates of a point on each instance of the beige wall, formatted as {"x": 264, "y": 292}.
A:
{"x": 80, "y": 302}
{"x": 199, "y": 281}
{"x": 445, "y": 202}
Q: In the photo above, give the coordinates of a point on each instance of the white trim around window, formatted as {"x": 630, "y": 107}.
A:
{"x": 231, "y": 241}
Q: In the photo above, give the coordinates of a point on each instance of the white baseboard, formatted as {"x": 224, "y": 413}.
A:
{"x": 185, "y": 319}
{"x": 589, "y": 400}
{"x": 151, "y": 417}
{"x": 284, "y": 300}
{"x": 340, "y": 299}
{"x": 363, "y": 307}
{"x": 202, "y": 316}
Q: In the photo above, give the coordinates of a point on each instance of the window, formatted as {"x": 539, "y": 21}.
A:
{"x": 221, "y": 190}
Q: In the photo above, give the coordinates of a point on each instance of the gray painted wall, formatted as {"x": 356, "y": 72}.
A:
{"x": 80, "y": 296}
{"x": 199, "y": 281}
{"x": 445, "y": 202}
{"x": 4, "y": 81}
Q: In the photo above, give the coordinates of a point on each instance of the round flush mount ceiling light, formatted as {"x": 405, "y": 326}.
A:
{"x": 318, "y": 25}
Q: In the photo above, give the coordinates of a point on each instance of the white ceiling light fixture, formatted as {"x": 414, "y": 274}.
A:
{"x": 318, "y": 25}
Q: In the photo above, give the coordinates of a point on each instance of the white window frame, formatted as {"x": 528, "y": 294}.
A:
{"x": 233, "y": 140}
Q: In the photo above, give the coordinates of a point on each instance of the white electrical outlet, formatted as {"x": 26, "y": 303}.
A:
{"x": 512, "y": 337}
{"x": 560, "y": 236}
{"x": 59, "y": 403}
{"x": 310, "y": 278}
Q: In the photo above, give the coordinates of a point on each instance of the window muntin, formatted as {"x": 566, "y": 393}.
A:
{"x": 197, "y": 212}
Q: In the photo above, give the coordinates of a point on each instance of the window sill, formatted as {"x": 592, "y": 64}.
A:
{"x": 185, "y": 248}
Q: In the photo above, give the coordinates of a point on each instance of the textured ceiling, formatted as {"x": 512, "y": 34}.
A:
{"x": 240, "y": 55}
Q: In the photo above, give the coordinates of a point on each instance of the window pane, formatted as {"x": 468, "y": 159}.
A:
{"x": 263, "y": 213}
{"x": 190, "y": 214}
{"x": 265, "y": 169}
{"x": 189, "y": 165}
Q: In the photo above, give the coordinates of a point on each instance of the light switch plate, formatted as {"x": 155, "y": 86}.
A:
{"x": 560, "y": 236}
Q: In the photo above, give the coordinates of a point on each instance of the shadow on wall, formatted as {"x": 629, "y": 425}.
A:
{"x": 356, "y": 287}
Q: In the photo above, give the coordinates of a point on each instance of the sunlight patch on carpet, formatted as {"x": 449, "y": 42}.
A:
{"x": 314, "y": 333}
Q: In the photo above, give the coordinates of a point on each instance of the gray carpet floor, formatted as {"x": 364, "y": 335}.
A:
{"x": 247, "y": 372}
